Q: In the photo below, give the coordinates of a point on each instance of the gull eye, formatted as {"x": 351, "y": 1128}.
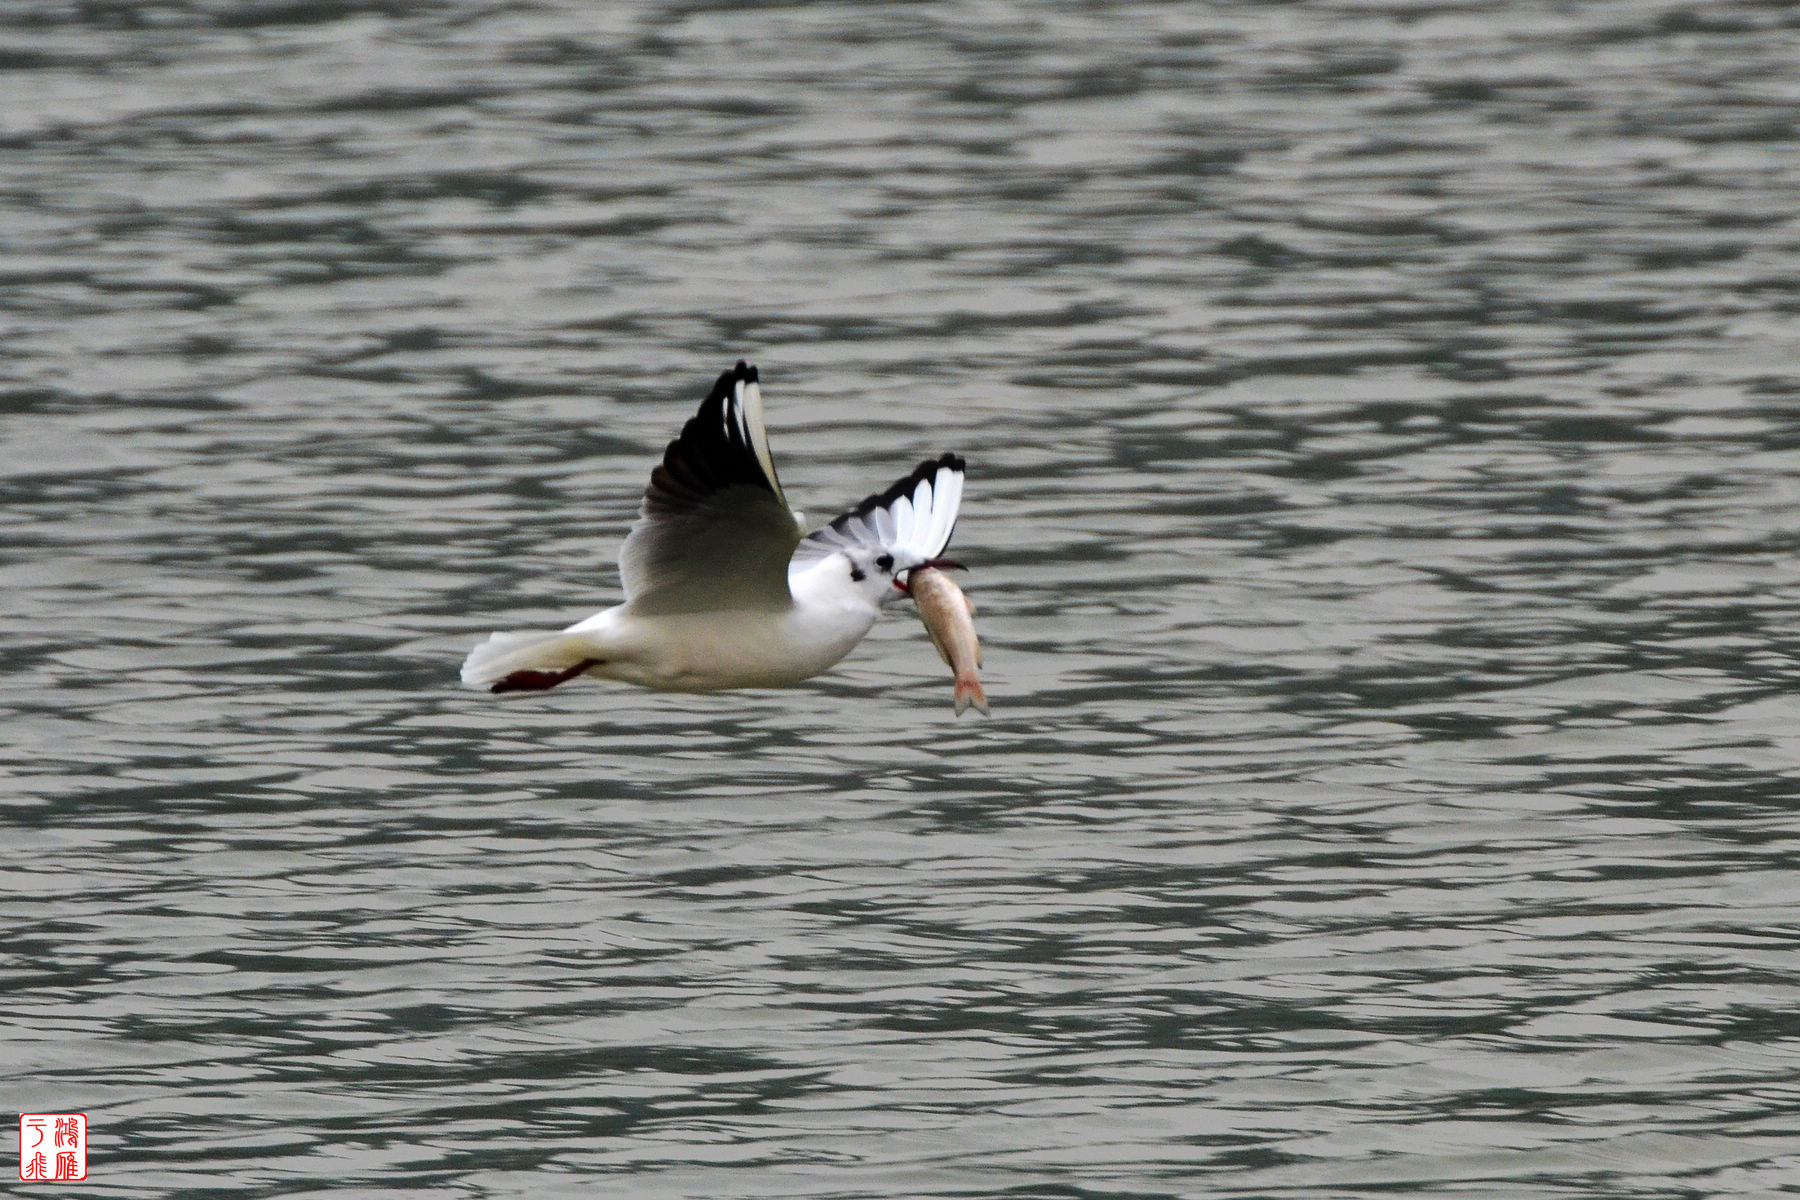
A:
{"x": 885, "y": 562}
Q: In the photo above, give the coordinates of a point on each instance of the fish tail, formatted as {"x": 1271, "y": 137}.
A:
{"x": 969, "y": 691}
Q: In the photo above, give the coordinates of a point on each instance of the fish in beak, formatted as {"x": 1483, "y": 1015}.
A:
{"x": 949, "y": 618}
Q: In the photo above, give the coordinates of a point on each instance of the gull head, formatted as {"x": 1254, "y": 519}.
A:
{"x": 879, "y": 575}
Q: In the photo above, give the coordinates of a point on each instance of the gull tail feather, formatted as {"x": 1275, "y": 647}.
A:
{"x": 528, "y": 660}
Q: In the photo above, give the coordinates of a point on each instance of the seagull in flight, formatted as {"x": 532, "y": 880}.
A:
{"x": 724, "y": 588}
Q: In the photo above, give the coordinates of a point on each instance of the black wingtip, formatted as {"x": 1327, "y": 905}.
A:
{"x": 710, "y": 454}
{"x": 904, "y": 486}
{"x": 727, "y": 381}
{"x": 855, "y": 529}
{"x": 907, "y": 484}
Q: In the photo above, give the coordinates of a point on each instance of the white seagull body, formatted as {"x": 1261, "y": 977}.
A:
{"x": 723, "y": 588}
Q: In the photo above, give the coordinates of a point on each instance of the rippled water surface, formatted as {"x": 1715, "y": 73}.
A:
{"x": 1384, "y": 513}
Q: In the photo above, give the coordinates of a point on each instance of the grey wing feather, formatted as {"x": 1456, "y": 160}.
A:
{"x": 715, "y": 531}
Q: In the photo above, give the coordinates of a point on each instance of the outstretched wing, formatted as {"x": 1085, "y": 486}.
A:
{"x": 715, "y": 531}
{"x": 912, "y": 520}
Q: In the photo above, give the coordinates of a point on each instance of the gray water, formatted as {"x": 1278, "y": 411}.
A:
{"x": 1384, "y": 514}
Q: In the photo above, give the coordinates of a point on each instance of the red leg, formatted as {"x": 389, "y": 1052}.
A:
{"x": 542, "y": 681}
